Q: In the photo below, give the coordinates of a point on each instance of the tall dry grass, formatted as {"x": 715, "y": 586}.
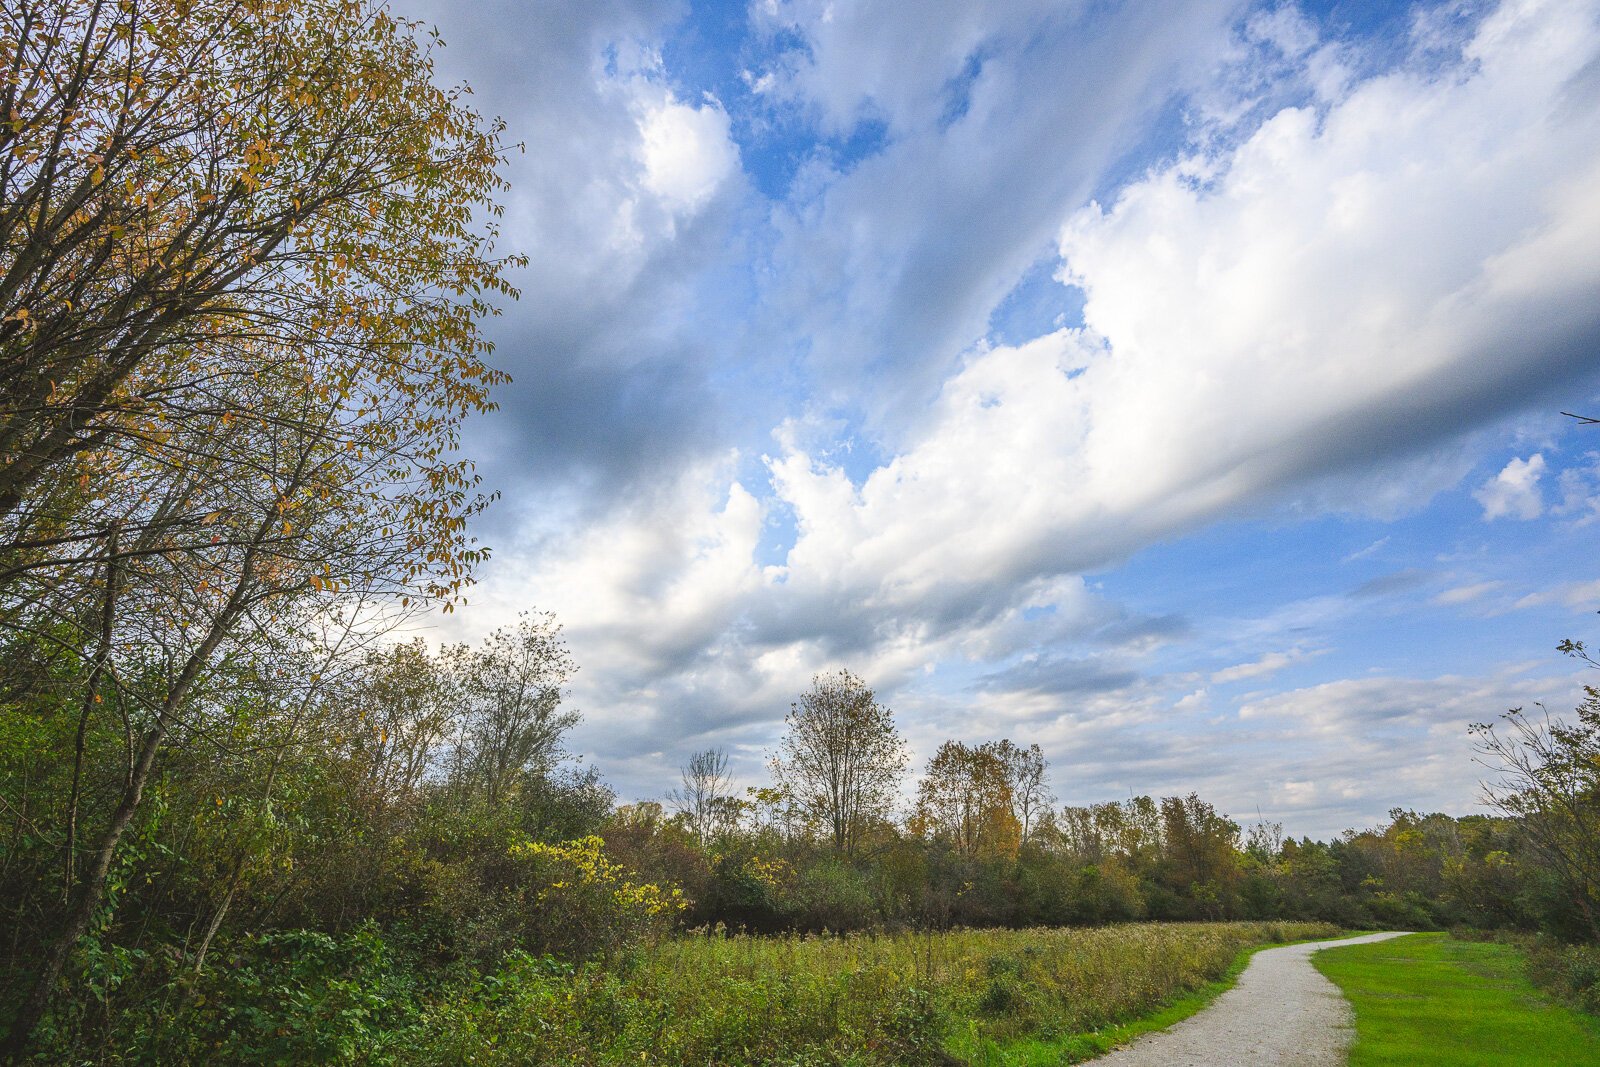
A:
{"x": 866, "y": 999}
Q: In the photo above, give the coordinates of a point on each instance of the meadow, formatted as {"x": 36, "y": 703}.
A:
{"x": 864, "y": 999}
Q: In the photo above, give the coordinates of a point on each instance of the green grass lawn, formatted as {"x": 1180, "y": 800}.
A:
{"x": 1428, "y": 999}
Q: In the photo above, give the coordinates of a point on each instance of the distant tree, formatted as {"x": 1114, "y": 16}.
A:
{"x": 510, "y": 688}
{"x": 1025, "y": 770}
{"x": 1199, "y": 848}
{"x": 965, "y": 798}
{"x": 703, "y": 800}
{"x": 1264, "y": 840}
{"x": 841, "y": 760}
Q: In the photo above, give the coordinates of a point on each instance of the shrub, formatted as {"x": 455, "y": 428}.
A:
{"x": 1571, "y": 972}
{"x": 581, "y": 904}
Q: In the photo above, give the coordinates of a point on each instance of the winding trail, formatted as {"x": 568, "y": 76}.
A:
{"x": 1282, "y": 1012}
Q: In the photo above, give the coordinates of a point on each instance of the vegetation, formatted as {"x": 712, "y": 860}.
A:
{"x": 707, "y": 998}
{"x": 245, "y": 249}
{"x": 1429, "y": 999}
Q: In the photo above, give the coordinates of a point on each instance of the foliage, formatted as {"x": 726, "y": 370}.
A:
{"x": 1549, "y": 782}
{"x": 841, "y": 758}
{"x": 584, "y": 904}
{"x": 1570, "y": 972}
{"x": 965, "y": 799}
{"x": 244, "y": 249}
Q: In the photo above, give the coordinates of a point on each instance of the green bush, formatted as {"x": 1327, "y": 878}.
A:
{"x": 1571, "y": 972}
{"x": 291, "y": 997}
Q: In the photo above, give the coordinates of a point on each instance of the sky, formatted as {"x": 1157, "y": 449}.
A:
{"x": 1176, "y": 387}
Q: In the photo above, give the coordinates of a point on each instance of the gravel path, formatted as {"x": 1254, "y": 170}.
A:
{"x": 1281, "y": 1012}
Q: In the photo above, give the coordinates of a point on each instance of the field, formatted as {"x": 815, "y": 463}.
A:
{"x": 1428, "y": 999}
{"x": 991, "y": 995}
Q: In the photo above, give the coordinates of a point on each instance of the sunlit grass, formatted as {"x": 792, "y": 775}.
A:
{"x": 1428, "y": 999}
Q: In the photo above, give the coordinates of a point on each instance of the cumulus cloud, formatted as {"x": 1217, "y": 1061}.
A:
{"x": 687, "y": 151}
{"x": 1301, "y": 312}
{"x": 994, "y": 121}
{"x": 1514, "y": 492}
{"x": 620, "y": 195}
{"x": 1314, "y": 305}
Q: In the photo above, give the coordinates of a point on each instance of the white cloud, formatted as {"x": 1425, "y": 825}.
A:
{"x": 1271, "y": 663}
{"x": 1466, "y": 594}
{"x": 1580, "y": 596}
{"x": 1371, "y": 550}
{"x": 997, "y": 119}
{"x": 1316, "y": 305}
{"x": 1363, "y": 743}
{"x": 891, "y": 62}
{"x": 687, "y": 151}
{"x": 1580, "y": 491}
{"x": 1514, "y": 492}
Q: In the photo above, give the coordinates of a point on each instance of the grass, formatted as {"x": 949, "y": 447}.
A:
{"x": 989, "y": 997}
{"x": 1426, "y": 1000}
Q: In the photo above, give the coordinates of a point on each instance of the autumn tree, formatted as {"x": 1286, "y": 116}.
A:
{"x": 841, "y": 759}
{"x": 179, "y": 175}
{"x": 1199, "y": 850}
{"x": 244, "y": 245}
{"x": 1025, "y": 770}
{"x": 965, "y": 799}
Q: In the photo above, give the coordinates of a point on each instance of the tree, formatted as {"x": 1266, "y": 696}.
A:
{"x": 510, "y": 693}
{"x": 965, "y": 798}
{"x": 1199, "y": 849}
{"x": 704, "y": 800}
{"x": 180, "y": 175}
{"x": 1547, "y": 779}
{"x": 242, "y": 257}
{"x": 1025, "y": 770}
{"x": 842, "y": 759}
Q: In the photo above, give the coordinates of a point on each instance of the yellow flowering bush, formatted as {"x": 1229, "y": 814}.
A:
{"x": 585, "y": 904}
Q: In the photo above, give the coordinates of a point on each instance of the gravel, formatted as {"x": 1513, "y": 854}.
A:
{"x": 1281, "y": 1012}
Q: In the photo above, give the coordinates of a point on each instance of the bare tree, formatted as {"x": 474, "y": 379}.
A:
{"x": 842, "y": 758}
{"x": 702, "y": 800}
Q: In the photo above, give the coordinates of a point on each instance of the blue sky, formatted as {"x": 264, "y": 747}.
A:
{"x": 1177, "y": 387}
